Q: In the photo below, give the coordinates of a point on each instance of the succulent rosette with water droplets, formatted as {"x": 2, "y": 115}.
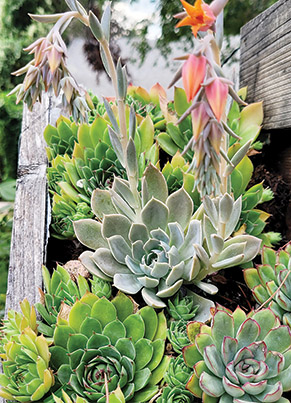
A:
{"x": 239, "y": 358}
{"x": 270, "y": 282}
{"x": 105, "y": 345}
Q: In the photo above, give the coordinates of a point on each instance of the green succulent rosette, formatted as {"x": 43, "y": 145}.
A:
{"x": 270, "y": 282}
{"x": 26, "y": 374}
{"x": 61, "y": 292}
{"x": 239, "y": 358}
{"x": 105, "y": 345}
{"x": 16, "y": 322}
{"x": 182, "y": 307}
{"x": 101, "y": 288}
{"x": 176, "y": 379}
{"x": 177, "y": 335}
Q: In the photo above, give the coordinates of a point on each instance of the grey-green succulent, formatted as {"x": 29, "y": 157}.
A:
{"x": 220, "y": 250}
{"x": 151, "y": 243}
{"x": 239, "y": 358}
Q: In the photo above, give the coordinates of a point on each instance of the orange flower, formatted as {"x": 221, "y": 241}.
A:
{"x": 193, "y": 74}
{"x": 199, "y": 16}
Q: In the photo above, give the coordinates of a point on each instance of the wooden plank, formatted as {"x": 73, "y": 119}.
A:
{"x": 29, "y": 233}
{"x": 31, "y": 210}
{"x": 265, "y": 63}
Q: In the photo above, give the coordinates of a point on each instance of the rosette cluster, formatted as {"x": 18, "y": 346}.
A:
{"x": 239, "y": 358}
{"x": 271, "y": 281}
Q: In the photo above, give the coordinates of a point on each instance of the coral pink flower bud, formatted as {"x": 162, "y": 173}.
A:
{"x": 193, "y": 74}
{"x": 156, "y": 91}
{"x": 200, "y": 119}
{"x": 216, "y": 93}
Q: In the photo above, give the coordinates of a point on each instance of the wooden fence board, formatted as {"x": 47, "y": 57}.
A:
{"x": 31, "y": 210}
{"x": 265, "y": 63}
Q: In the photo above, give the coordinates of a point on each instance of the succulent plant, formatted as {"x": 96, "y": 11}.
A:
{"x": 113, "y": 397}
{"x": 73, "y": 174}
{"x": 270, "y": 282}
{"x": 176, "y": 175}
{"x": 151, "y": 243}
{"x": 64, "y": 212}
{"x": 25, "y": 359}
{"x": 176, "y": 379}
{"x": 100, "y": 287}
{"x": 182, "y": 307}
{"x": 16, "y": 322}
{"x": 60, "y": 139}
{"x": 220, "y": 250}
{"x": 61, "y": 293}
{"x": 66, "y": 399}
{"x": 133, "y": 247}
{"x": 177, "y": 335}
{"x": 239, "y": 358}
{"x": 109, "y": 346}
{"x": 175, "y": 395}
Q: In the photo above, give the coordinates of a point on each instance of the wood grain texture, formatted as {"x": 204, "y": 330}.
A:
{"x": 31, "y": 210}
{"x": 265, "y": 64}
{"x": 29, "y": 233}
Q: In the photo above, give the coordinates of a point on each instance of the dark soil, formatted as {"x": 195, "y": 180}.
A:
{"x": 272, "y": 166}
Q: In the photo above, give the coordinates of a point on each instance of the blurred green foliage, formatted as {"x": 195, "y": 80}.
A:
{"x": 10, "y": 125}
{"x": 6, "y": 215}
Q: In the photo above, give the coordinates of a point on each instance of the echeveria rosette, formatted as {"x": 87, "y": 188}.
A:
{"x": 26, "y": 374}
{"x": 239, "y": 358}
{"x": 271, "y": 281}
{"x": 176, "y": 379}
{"x": 151, "y": 243}
{"x": 148, "y": 249}
{"x": 105, "y": 344}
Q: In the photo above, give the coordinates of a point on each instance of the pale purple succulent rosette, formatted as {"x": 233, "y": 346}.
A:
{"x": 240, "y": 358}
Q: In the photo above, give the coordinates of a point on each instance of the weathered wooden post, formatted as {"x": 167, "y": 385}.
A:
{"x": 31, "y": 211}
{"x": 265, "y": 67}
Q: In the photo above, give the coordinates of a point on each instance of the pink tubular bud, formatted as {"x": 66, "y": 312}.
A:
{"x": 216, "y": 93}
{"x": 193, "y": 74}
